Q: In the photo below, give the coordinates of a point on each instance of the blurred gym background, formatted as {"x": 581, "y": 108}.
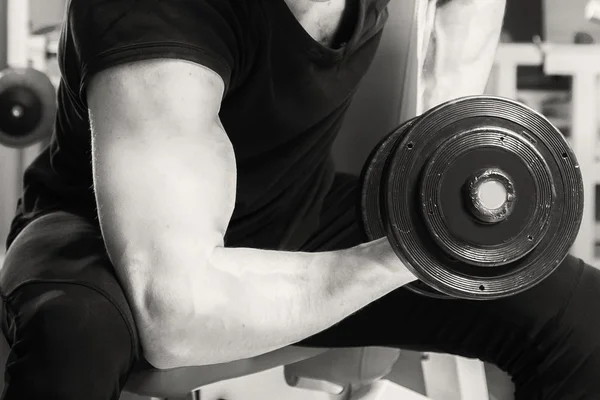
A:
{"x": 548, "y": 59}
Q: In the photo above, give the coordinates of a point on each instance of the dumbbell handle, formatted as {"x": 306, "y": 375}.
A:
{"x": 17, "y": 28}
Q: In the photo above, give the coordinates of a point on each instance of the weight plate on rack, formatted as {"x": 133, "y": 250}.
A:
{"x": 27, "y": 107}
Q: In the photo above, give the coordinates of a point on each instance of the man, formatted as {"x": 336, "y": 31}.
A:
{"x": 187, "y": 210}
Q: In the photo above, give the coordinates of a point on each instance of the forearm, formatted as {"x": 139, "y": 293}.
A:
{"x": 272, "y": 299}
{"x": 462, "y": 49}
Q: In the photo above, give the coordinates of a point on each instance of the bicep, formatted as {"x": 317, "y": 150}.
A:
{"x": 164, "y": 171}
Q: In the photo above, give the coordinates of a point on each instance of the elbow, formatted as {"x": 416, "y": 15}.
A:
{"x": 176, "y": 297}
{"x": 181, "y": 328}
{"x": 174, "y": 342}
{"x": 164, "y": 336}
{"x": 160, "y": 351}
{"x": 163, "y": 310}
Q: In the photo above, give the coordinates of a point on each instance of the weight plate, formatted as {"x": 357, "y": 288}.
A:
{"x": 452, "y": 211}
{"x": 370, "y": 209}
{"x": 27, "y": 107}
{"x": 484, "y": 255}
{"x": 370, "y": 196}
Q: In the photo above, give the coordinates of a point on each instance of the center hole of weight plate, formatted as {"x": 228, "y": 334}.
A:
{"x": 492, "y": 194}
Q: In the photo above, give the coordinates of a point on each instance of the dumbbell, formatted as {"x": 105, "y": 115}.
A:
{"x": 480, "y": 197}
{"x": 27, "y": 107}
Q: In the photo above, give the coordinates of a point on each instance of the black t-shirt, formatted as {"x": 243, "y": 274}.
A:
{"x": 285, "y": 98}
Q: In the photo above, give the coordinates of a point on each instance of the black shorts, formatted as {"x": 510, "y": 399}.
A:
{"x": 547, "y": 338}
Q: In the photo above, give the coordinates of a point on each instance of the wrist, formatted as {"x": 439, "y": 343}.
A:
{"x": 381, "y": 256}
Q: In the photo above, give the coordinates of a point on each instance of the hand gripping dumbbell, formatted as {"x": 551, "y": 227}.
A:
{"x": 480, "y": 197}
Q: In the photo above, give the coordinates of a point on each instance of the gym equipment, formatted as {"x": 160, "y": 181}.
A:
{"x": 22, "y": 51}
{"x": 27, "y": 107}
{"x": 480, "y": 197}
{"x": 371, "y": 215}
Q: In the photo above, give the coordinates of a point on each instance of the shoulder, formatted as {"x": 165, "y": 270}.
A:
{"x": 104, "y": 33}
{"x": 97, "y": 18}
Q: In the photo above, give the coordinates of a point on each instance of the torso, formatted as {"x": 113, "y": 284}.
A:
{"x": 297, "y": 69}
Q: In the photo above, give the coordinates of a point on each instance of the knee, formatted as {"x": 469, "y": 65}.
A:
{"x": 66, "y": 336}
{"x": 53, "y": 313}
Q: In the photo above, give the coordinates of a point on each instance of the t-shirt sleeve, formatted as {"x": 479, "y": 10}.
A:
{"x": 104, "y": 33}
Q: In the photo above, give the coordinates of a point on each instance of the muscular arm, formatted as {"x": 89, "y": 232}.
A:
{"x": 461, "y": 49}
{"x": 165, "y": 180}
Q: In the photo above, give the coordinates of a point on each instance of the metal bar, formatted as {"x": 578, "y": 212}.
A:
{"x": 17, "y": 23}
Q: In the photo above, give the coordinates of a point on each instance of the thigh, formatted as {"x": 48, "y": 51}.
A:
{"x": 62, "y": 249}
{"x": 547, "y": 337}
{"x": 67, "y": 341}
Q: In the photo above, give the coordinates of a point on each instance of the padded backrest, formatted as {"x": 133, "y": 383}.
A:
{"x": 145, "y": 380}
{"x": 346, "y": 366}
